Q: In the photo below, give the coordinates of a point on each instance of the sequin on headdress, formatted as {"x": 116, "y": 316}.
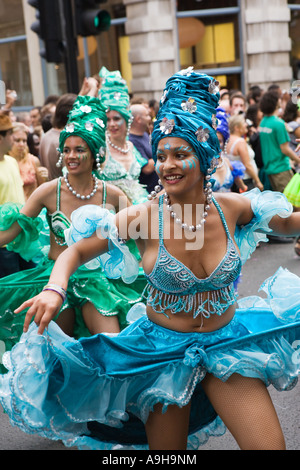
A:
{"x": 114, "y": 93}
{"x": 87, "y": 119}
{"x": 188, "y": 110}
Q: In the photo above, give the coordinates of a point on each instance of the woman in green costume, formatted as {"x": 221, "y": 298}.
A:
{"x": 95, "y": 303}
{"x": 123, "y": 162}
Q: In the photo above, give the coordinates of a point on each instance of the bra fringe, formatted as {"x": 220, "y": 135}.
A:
{"x": 213, "y": 302}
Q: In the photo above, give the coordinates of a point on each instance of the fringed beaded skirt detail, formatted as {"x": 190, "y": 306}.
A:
{"x": 97, "y": 392}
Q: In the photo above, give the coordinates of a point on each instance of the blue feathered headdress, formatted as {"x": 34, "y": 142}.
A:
{"x": 223, "y": 126}
{"x": 188, "y": 110}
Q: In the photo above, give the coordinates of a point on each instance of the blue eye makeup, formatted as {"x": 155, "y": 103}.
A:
{"x": 157, "y": 165}
{"x": 183, "y": 148}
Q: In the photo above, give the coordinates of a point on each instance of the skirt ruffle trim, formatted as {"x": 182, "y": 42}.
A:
{"x": 43, "y": 370}
{"x": 119, "y": 379}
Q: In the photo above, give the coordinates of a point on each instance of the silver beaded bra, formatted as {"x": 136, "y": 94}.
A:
{"x": 114, "y": 170}
{"x": 173, "y": 287}
{"x": 58, "y": 222}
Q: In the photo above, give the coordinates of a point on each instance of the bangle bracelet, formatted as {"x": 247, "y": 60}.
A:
{"x": 55, "y": 286}
{"x": 59, "y": 290}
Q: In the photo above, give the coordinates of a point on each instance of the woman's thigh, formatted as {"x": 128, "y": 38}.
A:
{"x": 98, "y": 323}
{"x": 168, "y": 430}
{"x": 246, "y": 408}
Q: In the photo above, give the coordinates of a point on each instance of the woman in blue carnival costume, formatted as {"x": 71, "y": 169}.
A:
{"x": 192, "y": 361}
{"x": 123, "y": 162}
{"x": 227, "y": 172}
{"x": 100, "y": 303}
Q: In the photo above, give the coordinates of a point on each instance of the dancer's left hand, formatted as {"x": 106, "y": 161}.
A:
{"x": 43, "y": 308}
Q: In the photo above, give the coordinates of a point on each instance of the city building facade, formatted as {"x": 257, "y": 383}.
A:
{"x": 240, "y": 42}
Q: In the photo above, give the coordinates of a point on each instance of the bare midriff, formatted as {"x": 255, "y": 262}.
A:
{"x": 185, "y": 322}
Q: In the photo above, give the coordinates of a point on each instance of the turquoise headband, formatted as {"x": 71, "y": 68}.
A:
{"x": 188, "y": 110}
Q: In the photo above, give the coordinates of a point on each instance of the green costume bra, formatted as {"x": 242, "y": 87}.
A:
{"x": 58, "y": 222}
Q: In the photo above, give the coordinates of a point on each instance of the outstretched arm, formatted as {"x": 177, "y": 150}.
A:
{"x": 10, "y": 212}
{"x": 46, "y": 305}
{"x": 7, "y": 236}
{"x": 289, "y": 226}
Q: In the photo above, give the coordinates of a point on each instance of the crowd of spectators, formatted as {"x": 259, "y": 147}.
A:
{"x": 263, "y": 124}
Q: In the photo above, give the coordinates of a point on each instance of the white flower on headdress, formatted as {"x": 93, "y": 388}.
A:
{"x": 213, "y": 87}
{"x": 202, "y": 134}
{"x": 117, "y": 95}
{"x": 102, "y": 151}
{"x": 187, "y": 71}
{"x": 70, "y": 127}
{"x": 189, "y": 105}
{"x": 85, "y": 108}
{"x": 164, "y": 96}
{"x": 214, "y": 121}
{"x": 167, "y": 125}
{"x": 89, "y": 126}
{"x": 100, "y": 122}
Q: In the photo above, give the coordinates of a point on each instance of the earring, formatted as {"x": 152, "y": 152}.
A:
{"x": 100, "y": 157}
{"x": 60, "y": 160}
{"x": 157, "y": 190}
{"x": 130, "y": 120}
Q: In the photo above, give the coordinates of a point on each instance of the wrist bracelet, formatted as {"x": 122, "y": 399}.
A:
{"x": 59, "y": 290}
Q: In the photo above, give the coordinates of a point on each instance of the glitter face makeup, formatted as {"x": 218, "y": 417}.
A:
{"x": 157, "y": 166}
{"x": 116, "y": 119}
{"x": 80, "y": 152}
{"x": 185, "y": 155}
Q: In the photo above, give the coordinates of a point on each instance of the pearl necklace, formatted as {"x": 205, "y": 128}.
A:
{"x": 178, "y": 221}
{"x": 79, "y": 196}
{"x": 126, "y": 150}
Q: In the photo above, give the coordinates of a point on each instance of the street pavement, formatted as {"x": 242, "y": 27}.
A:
{"x": 264, "y": 262}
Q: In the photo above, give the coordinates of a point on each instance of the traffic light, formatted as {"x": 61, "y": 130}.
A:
{"x": 48, "y": 27}
{"x": 90, "y": 20}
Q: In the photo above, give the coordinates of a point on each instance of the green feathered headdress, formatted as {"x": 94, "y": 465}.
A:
{"x": 113, "y": 93}
{"x": 87, "y": 119}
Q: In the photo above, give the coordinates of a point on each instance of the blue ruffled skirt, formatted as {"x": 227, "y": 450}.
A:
{"x": 96, "y": 393}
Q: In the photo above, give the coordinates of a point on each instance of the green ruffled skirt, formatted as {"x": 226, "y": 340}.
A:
{"x": 109, "y": 296}
{"x": 292, "y": 190}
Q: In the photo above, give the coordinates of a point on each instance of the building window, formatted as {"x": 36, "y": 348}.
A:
{"x": 14, "y": 69}
{"x": 210, "y": 39}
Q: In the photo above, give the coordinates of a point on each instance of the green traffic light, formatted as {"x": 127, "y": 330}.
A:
{"x": 102, "y": 20}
